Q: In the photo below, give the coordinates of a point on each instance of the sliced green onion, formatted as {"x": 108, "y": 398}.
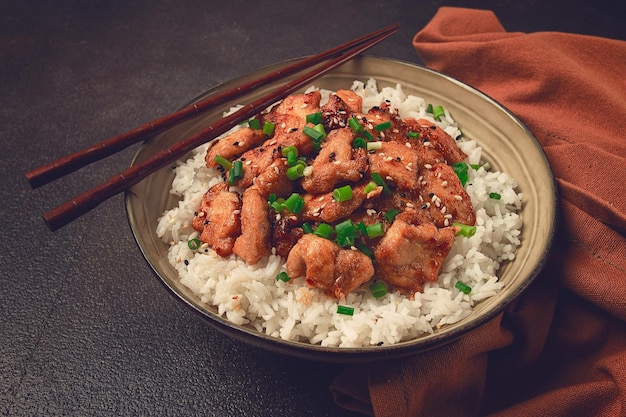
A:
{"x": 374, "y": 145}
{"x": 366, "y": 250}
{"x": 295, "y": 172}
{"x": 382, "y": 126}
{"x": 475, "y": 166}
{"x": 277, "y": 206}
{"x": 223, "y": 162}
{"x": 362, "y": 228}
{"x": 194, "y": 244}
{"x": 342, "y": 194}
{"x": 348, "y": 311}
{"x": 375, "y": 230}
{"x": 460, "y": 169}
{"x": 268, "y": 128}
{"x": 315, "y": 118}
{"x": 413, "y": 135}
{"x": 438, "y": 113}
{"x": 236, "y": 172}
{"x": 254, "y": 124}
{"x": 313, "y": 133}
{"x": 359, "y": 143}
{"x": 295, "y": 203}
{"x": 323, "y": 230}
{"x": 285, "y": 151}
{"x": 307, "y": 228}
{"x": 371, "y": 186}
{"x": 354, "y": 124}
{"x": 368, "y": 135}
{"x": 429, "y": 108}
{"x": 347, "y": 232}
{"x": 390, "y": 216}
{"x": 380, "y": 181}
{"x": 465, "y": 229}
{"x": 378, "y": 289}
{"x": 495, "y": 196}
{"x": 463, "y": 287}
{"x": 271, "y": 198}
{"x": 283, "y": 277}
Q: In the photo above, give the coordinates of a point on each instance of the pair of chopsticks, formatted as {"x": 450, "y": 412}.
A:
{"x": 83, "y": 203}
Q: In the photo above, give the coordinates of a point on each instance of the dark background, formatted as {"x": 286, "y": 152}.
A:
{"x": 85, "y": 328}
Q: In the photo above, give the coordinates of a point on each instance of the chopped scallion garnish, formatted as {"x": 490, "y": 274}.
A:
{"x": 413, "y": 135}
{"x": 463, "y": 287}
{"x": 285, "y": 151}
{"x": 359, "y": 143}
{"x": 268, "y": 128}
{"x": 460, "y": 169}
{"x": 323, "y": 230}
{"x": 380, "y": 181}
{"x": 495, "y": 196}
{"x": 382, "y": 126}
{"x": 254, "y": 124}
{"x": 348, "y": 311}
{"x": 374, "y": 145}
{"x": 375, "y": 230}
{"x": 295, "y": 172}
{"x": 465, "y": 229}
{"x": 307, "y": 228}
{"x": 429, "y": 108}
{"x": 438, "y": 112}
{"x": 354, "y": 124}
{"x": 342, "y": 194}
{"x": 371, "y": 186}
{"x": 313, "y": 133}
{"x": 314, "y": 118}
{"x": 391, "y": 215}
{"x": 236, "y": 172}
{"x": 378, "y": 289}
{"x": 294, "y": 203}
{"x": 194, "y": 244}
{"x": 223, "y": 162}
{"x": 282, "y": 276}
{"x": 475, "y": 166}
{"x": 347, "y": 232}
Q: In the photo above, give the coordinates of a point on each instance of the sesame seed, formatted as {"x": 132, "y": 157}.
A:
{"x": 444, "y": 183}
{"x": 458, "y": 198}
{"x": 408, "y": 145}
{"x": 428, "y": 166}
{"x": 446, "y": 222}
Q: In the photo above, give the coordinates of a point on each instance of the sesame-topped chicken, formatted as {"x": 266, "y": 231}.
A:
{"x": 345, "y": 196}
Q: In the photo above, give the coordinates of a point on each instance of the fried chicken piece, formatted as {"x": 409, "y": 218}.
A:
{"x": 447, "y": 202}
{"x": 439, "y": 142}
{"x": 337, "y": 162}
{"x": 397, "y": 163}
{"x": 254, "y": 241}
{"x": 273, "y": 179}
{"x": 218, "y": 218}
{"x": 410, "y": 255}
{"x": 233, "y": 145}
{"x": 324, "y": 207}
{"x": 328, "y": 267}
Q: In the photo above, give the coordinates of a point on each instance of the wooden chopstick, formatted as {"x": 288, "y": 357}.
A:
{"x": 70, "y": 163}
{"x": 85, "y": 202}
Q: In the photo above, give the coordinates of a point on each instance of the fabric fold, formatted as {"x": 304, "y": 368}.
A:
{"x": 560, "y": 349}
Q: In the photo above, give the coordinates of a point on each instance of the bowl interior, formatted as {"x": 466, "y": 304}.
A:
{"x": 507, "y": 145}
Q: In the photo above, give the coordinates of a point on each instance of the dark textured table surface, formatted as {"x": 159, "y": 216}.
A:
{"x": 85, "y": 327}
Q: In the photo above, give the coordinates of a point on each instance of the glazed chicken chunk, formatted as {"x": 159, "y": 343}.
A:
{"x": 218, "y": 218}
{"x": 410, "y": 255}
{"x": 328, "y": 267}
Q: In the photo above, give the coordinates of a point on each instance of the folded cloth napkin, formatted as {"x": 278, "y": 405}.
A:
{"x": 560, "y": 349}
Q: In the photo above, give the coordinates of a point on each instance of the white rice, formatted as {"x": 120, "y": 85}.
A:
{"x": 252, "y": 296}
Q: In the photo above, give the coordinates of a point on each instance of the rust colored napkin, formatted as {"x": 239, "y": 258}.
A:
{"x": 560, "y": 349}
